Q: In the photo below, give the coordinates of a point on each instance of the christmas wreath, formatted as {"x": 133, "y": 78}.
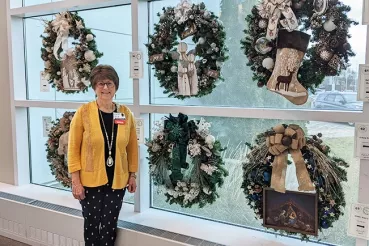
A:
{"x": 177, "y": 140}
{"x": 317, "y": 172}
{"x": 57, "y": 148}
{"x": 275, "y": 48}
{"x": 185, "y": 73}
{"x": 68, "y": 69}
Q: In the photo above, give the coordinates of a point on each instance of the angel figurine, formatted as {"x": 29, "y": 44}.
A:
{"x": 183, "y": 80}
{"x": 192, "y": 74}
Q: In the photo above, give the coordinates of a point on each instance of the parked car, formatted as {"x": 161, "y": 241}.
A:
{"x": 334, "y": 100}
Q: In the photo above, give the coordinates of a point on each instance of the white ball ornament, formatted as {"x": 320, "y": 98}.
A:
{"x": 206, "y": 14}
{"x": 58, "y": 73}
{"x": 329, "y": 26}
{"x": 268, "y": 63}
{"x": 201, "y": 40}
{"x": 89, "y": 37}
{"x": 173, "y": 69}
{"x": 90, "y": 56}
{"x": 80, "y": 70}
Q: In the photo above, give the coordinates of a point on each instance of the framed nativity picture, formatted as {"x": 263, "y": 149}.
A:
{"x": 291, "y": 211}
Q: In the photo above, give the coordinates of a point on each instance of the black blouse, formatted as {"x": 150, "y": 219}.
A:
{"x": 108, "y": 121}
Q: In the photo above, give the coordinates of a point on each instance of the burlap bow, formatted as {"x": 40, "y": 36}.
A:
{"x": 61, "y": 27}
{"x": 273, "y": 10}
{"x": 281, "y": 142}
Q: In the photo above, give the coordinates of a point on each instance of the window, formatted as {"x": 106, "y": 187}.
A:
{"x": 238, "y": 89}
{"x": 232, "y": 206}
{"x": 112, "y": 27}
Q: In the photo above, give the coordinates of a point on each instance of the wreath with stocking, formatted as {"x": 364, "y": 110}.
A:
{"x": 185, "y": 161}
{"x": 57, "y": 148}
{"x": 276, "y": 44}
{"x": 317, "y": 171}
{"x": 181, "y": 71}
{"x": 68, "y": 69}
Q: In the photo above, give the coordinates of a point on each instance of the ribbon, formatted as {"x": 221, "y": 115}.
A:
{"x": 273, "y": 10}
{"x": 181, "y": 11}
{"x": 281, "y": 141}
{"x": 61, "y": 27}
{"x": 179, "y": 134}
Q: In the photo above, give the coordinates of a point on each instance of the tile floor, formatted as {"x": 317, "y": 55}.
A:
{"x": 8, "y": 242}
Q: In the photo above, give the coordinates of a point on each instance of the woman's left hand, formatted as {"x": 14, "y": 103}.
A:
{"x": 132, "y": 185}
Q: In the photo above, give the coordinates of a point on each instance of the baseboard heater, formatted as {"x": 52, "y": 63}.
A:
{"x": 40, "y": 223}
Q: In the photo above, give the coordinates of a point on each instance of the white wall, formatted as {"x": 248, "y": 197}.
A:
{"x": 6, "y": 147}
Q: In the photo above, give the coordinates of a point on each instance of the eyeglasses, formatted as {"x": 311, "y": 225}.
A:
{"x": 102, "y": 85}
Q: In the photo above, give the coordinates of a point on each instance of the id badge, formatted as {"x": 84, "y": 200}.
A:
{"x": 119, "y": 118}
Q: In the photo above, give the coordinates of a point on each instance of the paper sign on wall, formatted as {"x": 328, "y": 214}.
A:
{"x": 44, "y": 84}
{"x": 136, "y": 62}
{"x": 46, "y": 123}
{"x": 359, "y": 221}
{"x": 140, "y": 130}
{"x": 363, "y": 90}
{"x": 362, "y": 140}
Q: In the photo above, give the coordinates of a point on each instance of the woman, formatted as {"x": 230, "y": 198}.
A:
{"x": 102, "y": 157}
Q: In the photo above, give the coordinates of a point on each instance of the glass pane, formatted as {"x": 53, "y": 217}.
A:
{"x": 238, "y": 89}
{"x": 40, "y": 167}
{"x": 112, "y": 27}
{"x": 36, "y": 2}
{"x": 232, "y": 206}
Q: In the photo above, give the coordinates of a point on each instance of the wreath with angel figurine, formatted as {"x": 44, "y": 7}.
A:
{"x": 68, "y": 69}
{"x": 318, "y": 173}
{"x": 287, "y": 60}
{"x": 57, "y": 148}
{"x": 185, "y": 73}
{"x": 185, "y": 161}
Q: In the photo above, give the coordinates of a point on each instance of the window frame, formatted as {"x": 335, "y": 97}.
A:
{"x": 141, "y": 95}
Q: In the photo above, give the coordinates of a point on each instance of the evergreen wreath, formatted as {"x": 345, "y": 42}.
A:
{"x": 81, "y": 60}
{"x": 330, "y": 50}
{"x": 209, "y": 37}
{"x": 177, "y": 140}
{"x": 325, "y": 171}
{"x": 57, "y": 148}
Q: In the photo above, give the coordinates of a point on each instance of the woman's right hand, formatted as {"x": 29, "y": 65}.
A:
{"x": 78, "y": 191}
{"x": 77, "y": 187}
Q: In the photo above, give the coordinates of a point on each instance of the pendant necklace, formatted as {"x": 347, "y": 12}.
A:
{"x": 110, "y": 160}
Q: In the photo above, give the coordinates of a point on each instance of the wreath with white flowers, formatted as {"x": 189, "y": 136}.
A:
{"x": 57, "y": 148}
{"x": 329, "y": 24}
{"x": 183, "y": 73}
{"x": 323, "y": 171}
{"x": 177, "y": 140}
{"x": 68, "y": 69}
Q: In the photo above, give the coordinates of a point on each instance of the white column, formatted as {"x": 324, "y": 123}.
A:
{"x": 6, "y": 139}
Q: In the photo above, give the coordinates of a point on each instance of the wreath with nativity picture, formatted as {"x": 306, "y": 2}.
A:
{"x": 184, "y": 73}
{"x": 57, "y": 148}
{"x": 68, "y": 69}
{"x": 185, "y": 161}
{"x": 320, "y": 200}
{"x": 276, "y": 44}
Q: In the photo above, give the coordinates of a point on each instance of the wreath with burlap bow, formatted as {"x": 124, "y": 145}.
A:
{"x": 185, "y": 161}
{"x": 316, "y": 170}
{"x": 68, "y": 69}
{"x": 57, "y": 149}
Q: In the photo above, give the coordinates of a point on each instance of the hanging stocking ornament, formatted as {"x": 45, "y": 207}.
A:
{"x": 291, "y": 48}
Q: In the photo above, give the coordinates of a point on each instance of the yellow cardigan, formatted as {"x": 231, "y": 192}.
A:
{"x": 86, "y": 152}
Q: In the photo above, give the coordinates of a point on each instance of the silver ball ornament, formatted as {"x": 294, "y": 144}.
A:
{"x": 262, "y": 45}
